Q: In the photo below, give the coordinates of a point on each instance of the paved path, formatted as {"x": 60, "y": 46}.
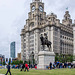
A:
{"x": 1, "y": 74}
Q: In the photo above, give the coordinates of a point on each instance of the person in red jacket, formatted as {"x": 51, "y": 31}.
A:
{"x": 35, "y": 67}
{"x": 26, "y": 67}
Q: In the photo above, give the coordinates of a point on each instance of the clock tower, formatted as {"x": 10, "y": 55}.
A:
{"x": 36, "y": 14}
{"x": 31, "y": 31}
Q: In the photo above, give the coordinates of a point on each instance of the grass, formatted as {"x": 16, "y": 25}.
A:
{"x": 40, "y": 72}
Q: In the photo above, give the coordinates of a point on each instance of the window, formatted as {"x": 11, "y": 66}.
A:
{"x": 41, "y": 30}
{"x": 33, "y": 16}
{"x": 31, "y": 41}
{"x": 40, "y": 15}
{"x": 32, "y": 24}
{"x": 44, "y": 29}
{"x": 31, "y": 33}
{"x": 38, "y": 18}
{"x": 38, "y": 23}
{"x": 32, "y": 37}
{"x": 49, "y": 18}
{"x": 31, "y": 45}
{"x": 56, "y": 29}
{"x": 60, "y": 36}
{"x": 24, "y": 39}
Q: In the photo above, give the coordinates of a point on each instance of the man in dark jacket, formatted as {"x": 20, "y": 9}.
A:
{"x": 23, "y": 66}
{"x": 8, "y": 67}
{"x": 50, "y": 65}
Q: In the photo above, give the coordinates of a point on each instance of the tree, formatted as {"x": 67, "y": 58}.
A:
{"x": 74, "y": 58}
{"x": 9, "y": 61}
{"x": 3, "y": 62}
{"x": 17, "y": 62}
{"x": 64, "y": 58}
{"x": 29, "y": 62}
{"x": 20, "y": 62}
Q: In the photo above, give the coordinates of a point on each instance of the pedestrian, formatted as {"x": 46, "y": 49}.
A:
{"x": 26, "y": 67}
{"x": 31, "y": 66}
{"x": 50, "y": 65}
{"x": 23, "y": 66}
{"x": 35, "y": 67}
{"x": 54, "y": 65}
{"x": 8, "y": 69}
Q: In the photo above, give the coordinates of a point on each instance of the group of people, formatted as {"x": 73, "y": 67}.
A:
{"x": 25, "y": 66}
{"x": 61, "y": 65}
{"x": 51, "y": 66}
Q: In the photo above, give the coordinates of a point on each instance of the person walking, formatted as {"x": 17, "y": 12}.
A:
{"x": 8, "y": 69}
{"x": 23, "y": 66}
{"x": 50, "y": 65}
{"x": 26, "y": 67}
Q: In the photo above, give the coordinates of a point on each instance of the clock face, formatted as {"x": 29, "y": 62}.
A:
{"x": 33, "y": 8}
{"x": 41, "y": 8}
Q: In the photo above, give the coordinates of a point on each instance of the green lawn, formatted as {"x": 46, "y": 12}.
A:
{"x": 41, "y": 72}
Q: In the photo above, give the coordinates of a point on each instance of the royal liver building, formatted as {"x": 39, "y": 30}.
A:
{"x": 60, "y": 34}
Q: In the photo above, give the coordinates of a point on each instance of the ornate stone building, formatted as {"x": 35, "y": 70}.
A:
{"x": 60, "y": 34}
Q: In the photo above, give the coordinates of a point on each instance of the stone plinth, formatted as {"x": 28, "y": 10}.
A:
{"x": 45, "y": 57}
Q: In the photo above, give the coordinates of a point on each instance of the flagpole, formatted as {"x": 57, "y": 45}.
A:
{"x": 67, "y": 8}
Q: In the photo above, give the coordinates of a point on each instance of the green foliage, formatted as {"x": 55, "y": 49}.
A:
{"x": 25, "y": 62}
{"x": 74, "y": 58}
{"x": 20, "y": 62}
{"x": 3, "y": 62}
{"x": 64, "y": 58}
{"x": 0, "y": 62}
{"x": 17, "y": 62}
{"x": 33, "y": 61}
{"x": 29, "y": 62}
{"x": 9, "y": 61}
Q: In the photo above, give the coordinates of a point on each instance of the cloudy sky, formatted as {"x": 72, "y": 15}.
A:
{"x": 13, "y": 14}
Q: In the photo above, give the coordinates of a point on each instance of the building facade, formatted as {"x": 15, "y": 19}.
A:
{"x": 12, "y": 50}
{"x": 19, "y": 56}
{"x": 60, "y": 34}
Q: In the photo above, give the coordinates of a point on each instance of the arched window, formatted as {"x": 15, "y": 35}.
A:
{"x": 32, "y": 24}
{"x": 33, "y": 16}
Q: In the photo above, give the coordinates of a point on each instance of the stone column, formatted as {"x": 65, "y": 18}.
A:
{"x": 37, "y": 46}
{"x": 51, "y": 36}
{"x": 58, "y": 41}
{"x": 22, "y": 48}
{"x": 27, "y": 46}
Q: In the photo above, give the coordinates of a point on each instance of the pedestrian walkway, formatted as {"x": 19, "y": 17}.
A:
{"x": 1, "y": 74}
